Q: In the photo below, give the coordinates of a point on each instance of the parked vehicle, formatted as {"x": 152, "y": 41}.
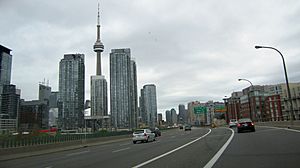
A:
{"x": 245, "y": 124}
{"x": 143, "y": 135}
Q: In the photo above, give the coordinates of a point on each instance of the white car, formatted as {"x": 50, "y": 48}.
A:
{"x": 232, "y": 123}
{"x": 143, "y": 135}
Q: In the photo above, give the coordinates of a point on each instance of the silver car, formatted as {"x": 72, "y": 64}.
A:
{"x": 143, "y": 135}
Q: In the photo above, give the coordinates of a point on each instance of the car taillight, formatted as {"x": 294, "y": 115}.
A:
{"x": 252, "y": 124}
{"x": 238, "y": 125}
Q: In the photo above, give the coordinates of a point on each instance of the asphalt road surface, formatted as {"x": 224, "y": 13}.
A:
{"x": 267, "y": 147}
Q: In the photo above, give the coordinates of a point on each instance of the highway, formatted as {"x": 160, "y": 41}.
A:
{"x": 267, "y": 147}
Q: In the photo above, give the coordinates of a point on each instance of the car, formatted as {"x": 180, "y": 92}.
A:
{"x": 232, "y": 123}
{"x": 143, "y": 135}
{"x": 156, "y": 131}
{"x": 245, "y": 124}
{"x": 187, "y": 128}
{"x": 180, "y": 126}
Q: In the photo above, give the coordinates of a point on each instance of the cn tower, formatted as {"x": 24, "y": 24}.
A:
{"x": 98, "y": 46}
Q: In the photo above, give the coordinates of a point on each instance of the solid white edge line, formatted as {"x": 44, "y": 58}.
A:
{"x": 219, "y": 153}
{"x": 165, "y": 154}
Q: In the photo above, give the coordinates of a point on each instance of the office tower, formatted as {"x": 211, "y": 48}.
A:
{"x": 182, "y": 114}
{"x": 5, "y": 65}
{"x": 71, "y": 91}
{"x": 150, "y": 105}
{"x": 173, "y": 116}
{"x": 5, "y": 68}
{"x": 44, "y": 92}
{"x": 9, "y": 98}
{"x": 168, "y": 117}
{"x": 98, "y": 81}
{"x": 120, "y": 76}
{"x": 133, "y": 95}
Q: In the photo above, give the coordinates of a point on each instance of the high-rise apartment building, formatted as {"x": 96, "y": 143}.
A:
{"x": 98, "y": 96}
{"x": 120, "y": 100}
{"x": 150, "y": 105}
{"x": 133, "y": 95}
{"x": 71, "y": 91}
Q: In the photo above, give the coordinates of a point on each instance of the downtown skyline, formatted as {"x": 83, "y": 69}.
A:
{"x": 186, "y": 60}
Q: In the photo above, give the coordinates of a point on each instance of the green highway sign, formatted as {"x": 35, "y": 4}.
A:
{"x": 200, "y": 109}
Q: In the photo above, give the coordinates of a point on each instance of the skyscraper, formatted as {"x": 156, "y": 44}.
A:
{"x": 71, "y": 91}
{"x": 5, "y": 68}
{"x": 9, "y": 95}
{"x": 5, "y": 65}
{"x": 98, "y": 81}
{"x": 120, "y": 75}
{"x": 133, "y": 95}
{"x": 150, "y": 104}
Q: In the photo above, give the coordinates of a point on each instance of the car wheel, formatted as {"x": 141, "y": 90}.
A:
{"x": 253, "y": 130}
{"x": 238, "y": 131}
{"x": 134, "y": 142}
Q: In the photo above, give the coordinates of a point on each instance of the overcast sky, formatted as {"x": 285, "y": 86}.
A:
{"x": 191, "y": 50}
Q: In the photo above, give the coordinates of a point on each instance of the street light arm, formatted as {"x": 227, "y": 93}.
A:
{"x": 247, "y": 81}
{"x": 258, "y": 47}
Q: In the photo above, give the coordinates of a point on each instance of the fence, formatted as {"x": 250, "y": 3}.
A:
{"x": 29, "y": 140}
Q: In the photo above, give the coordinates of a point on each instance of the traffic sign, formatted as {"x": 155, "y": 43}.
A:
{"x": 200, "y": 109}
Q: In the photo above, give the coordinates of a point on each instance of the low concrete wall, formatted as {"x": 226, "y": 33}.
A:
{"x": 282, "y": 124}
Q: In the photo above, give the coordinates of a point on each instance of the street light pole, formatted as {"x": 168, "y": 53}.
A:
{"x": 286, "y": 80}
{"x": 252, "y": 89}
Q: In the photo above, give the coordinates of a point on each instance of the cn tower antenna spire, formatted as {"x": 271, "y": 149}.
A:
{"x": 98, "y": 21}
{"x": 98, "y": 46}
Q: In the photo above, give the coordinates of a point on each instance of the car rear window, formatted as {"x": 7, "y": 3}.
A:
{"x": 138, "y": 131}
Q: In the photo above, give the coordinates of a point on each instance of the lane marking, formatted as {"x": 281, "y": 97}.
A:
{"x": 119, "y": 150}
{"x": 125, "y": 144}
{"x": 77, "y": 153}
{"x": 174, "y": 150}
{"x": 287, "y": 129}
{"x": 219, "y": 153}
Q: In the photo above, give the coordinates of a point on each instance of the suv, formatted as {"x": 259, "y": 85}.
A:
{"x": 143, "y": 135}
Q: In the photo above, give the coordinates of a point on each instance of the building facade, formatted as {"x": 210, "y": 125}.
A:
{"x": 34, "y": 115}
{"x": 133, "y": 95}
{"x": 71, "y": 91}
{"x": 98, "y": 96}
{"x": 150, "y": 105}
{"x": 120, "y": 100}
